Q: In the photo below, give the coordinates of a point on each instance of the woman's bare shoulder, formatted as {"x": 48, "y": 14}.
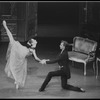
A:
{"x": 31, "y": 49}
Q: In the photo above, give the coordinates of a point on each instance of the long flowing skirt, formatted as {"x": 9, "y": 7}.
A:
{"x": 16, "y": 66}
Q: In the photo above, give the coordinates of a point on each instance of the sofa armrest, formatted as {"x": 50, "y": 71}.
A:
{"x": 91, "y": 54}
{"x": 71, "y": 44}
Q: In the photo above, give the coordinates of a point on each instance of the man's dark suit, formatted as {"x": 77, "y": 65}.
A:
{"x": 64, "y": 72}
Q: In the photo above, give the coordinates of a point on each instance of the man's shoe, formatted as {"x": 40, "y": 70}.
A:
{"x": 82, "y": 90}
{"x": 41, "y": 90}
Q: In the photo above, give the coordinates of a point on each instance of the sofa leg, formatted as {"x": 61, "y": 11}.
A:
{"x": 96, "y": 68}
{"x": 84, "y": 69}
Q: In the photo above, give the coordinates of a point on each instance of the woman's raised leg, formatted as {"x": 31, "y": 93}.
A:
{"x": 8, "y": 31}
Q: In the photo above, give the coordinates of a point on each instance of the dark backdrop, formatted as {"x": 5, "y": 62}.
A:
{"x": 58, "y": 12}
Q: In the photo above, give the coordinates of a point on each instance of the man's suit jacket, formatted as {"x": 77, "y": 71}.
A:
{"x": 62, "y": 60}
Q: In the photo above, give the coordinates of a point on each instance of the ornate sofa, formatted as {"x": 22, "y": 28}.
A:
{"x": 83, "y": 51}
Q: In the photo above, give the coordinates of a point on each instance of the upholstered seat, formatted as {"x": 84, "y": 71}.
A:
{"x": 76, "y": 56}
{"x": 83, "y": 51}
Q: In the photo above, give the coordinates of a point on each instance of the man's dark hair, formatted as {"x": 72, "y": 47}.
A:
{"x": 65, "y": 43}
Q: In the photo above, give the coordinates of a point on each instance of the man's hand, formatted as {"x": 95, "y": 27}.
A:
{"x": 44, "y": 61}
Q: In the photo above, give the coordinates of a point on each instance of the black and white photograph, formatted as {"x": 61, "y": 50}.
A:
{"x": 49, "y": 49}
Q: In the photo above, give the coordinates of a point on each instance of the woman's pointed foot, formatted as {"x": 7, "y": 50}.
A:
{"x": 17, "y": 86}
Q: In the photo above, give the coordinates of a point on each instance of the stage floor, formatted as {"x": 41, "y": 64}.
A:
{"x": 37, "y": 73}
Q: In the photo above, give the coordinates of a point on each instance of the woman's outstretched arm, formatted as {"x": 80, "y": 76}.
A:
{"x": 8, "y": 31}
{"x": 34, "y": 55}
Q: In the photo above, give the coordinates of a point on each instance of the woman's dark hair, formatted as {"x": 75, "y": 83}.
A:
{"x": 30, "y": 41}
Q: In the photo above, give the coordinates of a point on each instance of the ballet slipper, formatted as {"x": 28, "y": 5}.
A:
{"x": 17, "y": 86}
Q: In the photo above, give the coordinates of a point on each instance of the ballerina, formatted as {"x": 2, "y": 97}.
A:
{"x": 16, "y": 56}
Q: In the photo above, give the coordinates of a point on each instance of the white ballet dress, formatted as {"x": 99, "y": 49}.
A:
{"x": 16, "y": 66}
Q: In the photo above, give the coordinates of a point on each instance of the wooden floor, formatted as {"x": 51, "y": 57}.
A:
{"x": 37, "y": 73}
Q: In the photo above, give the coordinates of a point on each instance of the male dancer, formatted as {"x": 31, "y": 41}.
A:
{"x": 64, "y": 71}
